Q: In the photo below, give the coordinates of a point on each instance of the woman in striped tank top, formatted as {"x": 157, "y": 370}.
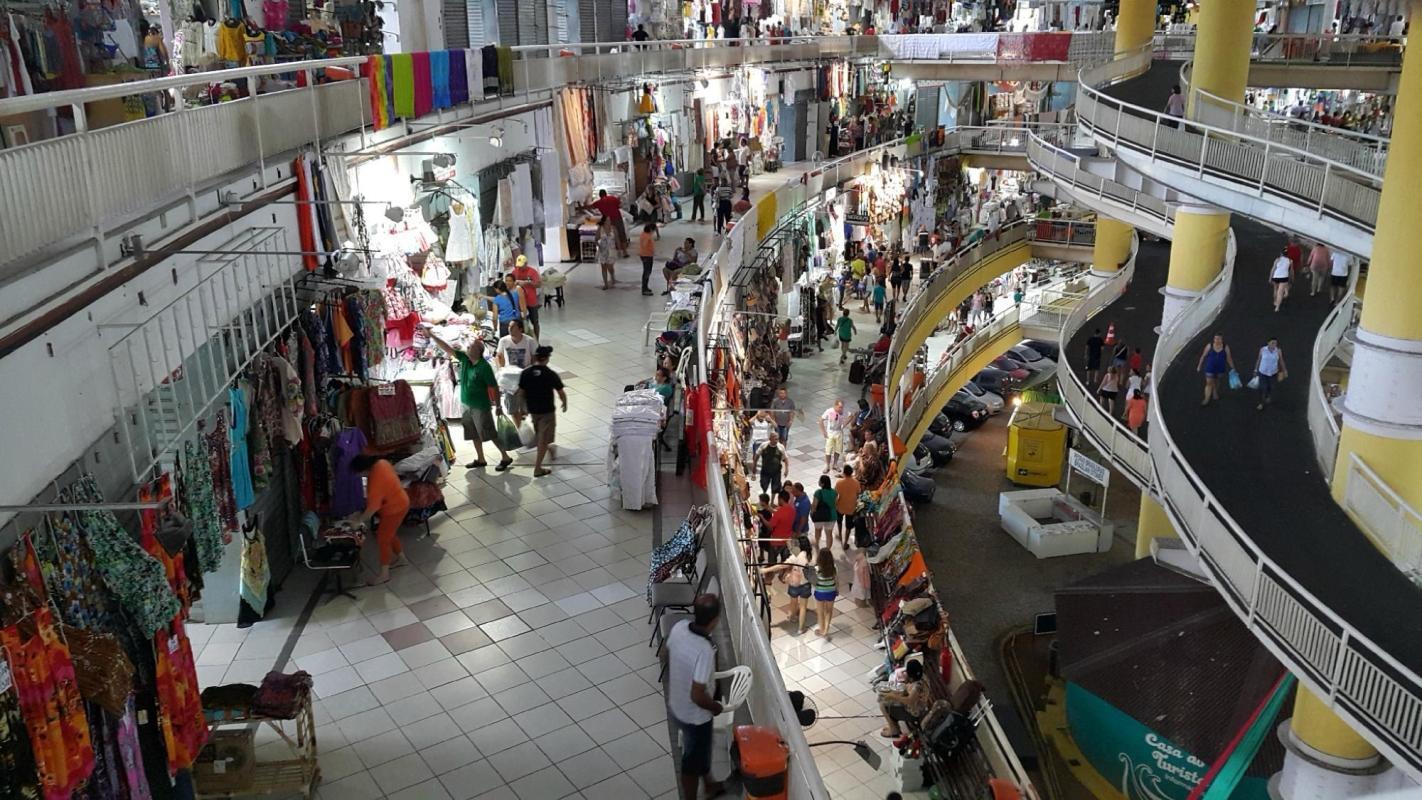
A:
{"x": 826, "y": 590}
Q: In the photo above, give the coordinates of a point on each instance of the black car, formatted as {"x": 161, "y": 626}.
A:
{"x": 998, "y": 382}
{"x": 1046, "y": 348}
{"x": 941, "y": 425}
{"x": 965, "y": 411}
{"x": 935, "y": 447}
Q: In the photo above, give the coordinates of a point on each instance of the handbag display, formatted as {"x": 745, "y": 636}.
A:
{"x": 394, "y": 420}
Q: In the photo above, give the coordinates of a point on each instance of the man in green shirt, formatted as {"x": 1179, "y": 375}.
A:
{"x": 479, "y": 392}
{"x": 844, "y": 327}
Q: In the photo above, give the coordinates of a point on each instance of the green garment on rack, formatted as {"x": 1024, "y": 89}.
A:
{"x": 402, "y": 65}
{"x": 505, "y": 55}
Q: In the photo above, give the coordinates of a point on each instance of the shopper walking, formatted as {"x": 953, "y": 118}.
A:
{"x": 610, "y": 207}
{"x": 698, "y": 195}
{"x": 784, "y": 411}
{"x": 386, "y": 498}
{"x": 1216, "y": 361}
{"x": 1094, "y": 345}
{"x": 1135, "y": 411}
{"x": 527, "y": 280}
{"x": 846, "y": 503}
{"x": 798, "y": 573}
{"x": 1269, "y": 369}
{"x": 1175, "y": 105}
{"x": 802, "y": 502}
{"x": 845, "y": 331}
{"x": 780, "y": 529}
{"x": 1109, "y": 388}
{"x": 1280, "y": 273}
{"x": 479, "y": 393}
{"x": 537, "y": 385}
{"x": 824, "y": 512}
{"x": 607, "y": 253}
{"x": 826, "y": 591}
{"x": 509, "y": 305}
{"x": 879, "y": 296}
{"x": 771, "y": 459}
{"x": 690, "y": 660}
{"x": 1319, "y": 262}
{"x": 724, "y": 193}
{"x": 647, "y": 250}
{"x": 833, "y": 423}
{"x": 762, "y": 425}
{"x": 1339, "y": 272}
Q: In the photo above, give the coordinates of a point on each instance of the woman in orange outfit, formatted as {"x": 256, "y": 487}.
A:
{"x": 384, "y": 496}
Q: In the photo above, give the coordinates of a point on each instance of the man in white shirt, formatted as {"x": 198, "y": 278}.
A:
{"x": 1338, "y": 274}
{"x": 1397, "y": 27}
{"x": 690, "y": 660}
{"x": 516, "y": 349}
{"x": 832, "y": 425}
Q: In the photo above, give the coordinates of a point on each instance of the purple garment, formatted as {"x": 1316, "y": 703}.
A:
{"x": 347, "y": 494}
{"x": 458, "y": 78}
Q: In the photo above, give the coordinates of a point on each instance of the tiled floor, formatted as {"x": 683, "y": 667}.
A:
{"x": 510, "y": 660}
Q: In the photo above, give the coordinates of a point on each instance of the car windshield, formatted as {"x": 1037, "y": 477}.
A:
{"x": 1027, "y": 354}
{"x": 974, "y": 389}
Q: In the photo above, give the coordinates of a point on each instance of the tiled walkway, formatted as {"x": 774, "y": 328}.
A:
{"x": 510, "y": 660}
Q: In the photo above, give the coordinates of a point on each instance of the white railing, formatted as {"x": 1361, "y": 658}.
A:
{"x": 1066, "y": 169}
{"x": 1322, "y": 421}
{"x": 1393, "y": 525}
{"x": 1359, "y": 680}
{"x": 768, "y": 701}
{"x": 1334, "y": 50}
{"x": 1361, "y": 151}
{"x": 1256, "y": 166}
{"x": 1001, "y": 332}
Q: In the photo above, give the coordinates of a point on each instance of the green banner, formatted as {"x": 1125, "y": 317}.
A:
{"x": 1140, "y": 763}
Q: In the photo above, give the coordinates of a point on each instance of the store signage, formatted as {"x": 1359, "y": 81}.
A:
{"x": 857, "y": 219}
{"x": 1140, "y": 763}
{"x": 1093, "y": 471}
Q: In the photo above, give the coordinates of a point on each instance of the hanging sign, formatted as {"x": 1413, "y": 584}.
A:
{"x": 1093, "y": 471}
{"x": 857, "y": 219}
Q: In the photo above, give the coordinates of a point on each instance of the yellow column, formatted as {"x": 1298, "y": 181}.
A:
{"x": 1385, "y": 429}
{"x": 1135, "y": 23}
{"x": 1113, "y": 245}
{"x": 1196, "y": 255}
{"x": 1222, "y": 44}
{"x": 1315, "y": 725}
{"x": 1152, "y": 524}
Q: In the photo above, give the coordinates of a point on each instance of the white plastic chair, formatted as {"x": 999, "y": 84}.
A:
{"x": 741, "y": 680}
{"x": 656, "y": 320}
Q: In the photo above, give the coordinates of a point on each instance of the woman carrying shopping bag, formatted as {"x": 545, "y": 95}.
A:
{"x": 1268, "y": 368}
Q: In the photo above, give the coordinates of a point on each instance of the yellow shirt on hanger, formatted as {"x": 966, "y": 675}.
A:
{"x": 230, "y": 43}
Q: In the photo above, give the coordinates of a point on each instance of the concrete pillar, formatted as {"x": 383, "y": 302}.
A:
{"x": 1324, "y": 757}
{"x": 1152, "y": 524}
{"x": 1382, "y": 420}
{"x": 1196, "y": 256}
{"x": 1135, "y": 24}
{"x": 1113, "y": 245}
{"x": 1222, "y": 44}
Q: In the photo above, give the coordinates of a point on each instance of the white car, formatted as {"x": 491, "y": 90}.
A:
{"x": 993, "y": 401}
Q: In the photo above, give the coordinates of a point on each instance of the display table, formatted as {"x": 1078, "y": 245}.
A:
{"x": 1050, "y": 523}
{"x": 297, "y": 775}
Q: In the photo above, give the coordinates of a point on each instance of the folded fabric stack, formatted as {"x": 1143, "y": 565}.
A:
{"x": 637, "y": 420}
{"x": 281, "y": 696}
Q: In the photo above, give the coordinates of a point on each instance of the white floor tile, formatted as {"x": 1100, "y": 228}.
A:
{"x": 450, "y": 754}
{"x": 401, "y": 773}
{"x": 384, "y": 747}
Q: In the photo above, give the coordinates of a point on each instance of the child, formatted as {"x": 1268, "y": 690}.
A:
{"x": 826, "y": 590}
{"x": 1135, "y": 411}
{"x": 798, "y": 576}
{"x": 878, "y": 302}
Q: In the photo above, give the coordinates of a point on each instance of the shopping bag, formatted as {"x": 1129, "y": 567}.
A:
{"x": 507, "y": 432}
{"x": 1254, "y": 382}
{"x": 526, "y": 434}
{"x": 1234, "y": 381}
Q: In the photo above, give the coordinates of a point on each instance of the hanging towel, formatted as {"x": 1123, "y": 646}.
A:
{"x": 474, "y": 72}
{"x": 403, "y": 68}
{"x": 439, "y": 75}
{"x": 458, "y": 78}
{"x": 489, "y": 57}
{"x": 305, "y": 221}
{"x": 505, "y": 70}
{"x": 424, "y": 84}
{"x": 379, "y": 99}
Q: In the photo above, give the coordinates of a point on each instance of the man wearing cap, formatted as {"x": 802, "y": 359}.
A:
{"x": 526, "y": 278}
{"x": 537, "y": 385}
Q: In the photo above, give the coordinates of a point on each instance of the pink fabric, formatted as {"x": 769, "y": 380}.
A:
{"x": 424, "y": 85}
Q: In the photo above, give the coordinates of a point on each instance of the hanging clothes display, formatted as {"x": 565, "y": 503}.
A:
{"x": 637, "y": 421}
{"x": 240, "y": 470}
{"x": 377, "y": 74}
{"x": 256, "y": 570}
{"x": 43, "y": 676}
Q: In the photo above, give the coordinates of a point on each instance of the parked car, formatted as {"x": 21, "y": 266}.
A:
{"x": 941, "y": 425}
{"x": 1013, "y": 367}
{"x": 1046, "y": 348}
{"x": 994, "y": 402}
{"x": 998, "y": 382}
{"x": 918, "y": 486}
{"x": 964, "y": 411}
{"x": 937, "y": 448}
{"x": 1030, "y": 356}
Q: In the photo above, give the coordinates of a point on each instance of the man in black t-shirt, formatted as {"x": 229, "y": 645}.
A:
{"x": 537, "y": 384}
{"x": 1093, "y": 357}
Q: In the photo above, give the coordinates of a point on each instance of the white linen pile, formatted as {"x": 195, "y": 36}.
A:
{"x": 637, "y": 420}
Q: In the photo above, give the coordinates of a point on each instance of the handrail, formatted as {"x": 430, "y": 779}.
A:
{"x": 1330, "y": 187}
{"x": 1385, "y": 516}
{"x": 1047, "y": 158}
{"x": 1338, "y": 49}
{"x": 1322, "y": 422}
{"x": 961, "y": 351}
{"x": 1364, "y": 151}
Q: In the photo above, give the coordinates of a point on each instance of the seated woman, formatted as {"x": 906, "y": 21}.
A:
{"x": 684, "y": 256}
{"x": 910, "y": 702}
{"x": 663, "y": 385}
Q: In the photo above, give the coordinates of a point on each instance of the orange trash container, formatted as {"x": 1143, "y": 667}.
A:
{"x": 763, "y": 760}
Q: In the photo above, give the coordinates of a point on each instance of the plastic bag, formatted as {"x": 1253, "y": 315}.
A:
{"x": 1254, "y": 382}
{"x": 507, "y": 433}
{"x": 1234, "y": 381}
{"x": 526, "y": 433}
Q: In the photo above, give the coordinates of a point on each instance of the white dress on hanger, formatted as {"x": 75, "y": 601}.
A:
{"x": 461, "y": 246}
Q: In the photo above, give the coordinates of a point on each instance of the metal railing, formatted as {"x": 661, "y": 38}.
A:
{"x": 1322, "y": 421}
{"x": 1336, "y": 50}
{"x": 1361, "y": 151}
{"x": 1001, "y": 332}
{"x": 1256, "y": 166}
{"x": 1357, "y": 678}
{"x": 1387, "y": 519}
{"x": 1065, "y": 169}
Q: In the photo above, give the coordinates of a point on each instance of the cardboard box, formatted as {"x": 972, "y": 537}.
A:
{"x": 226, "y": 763}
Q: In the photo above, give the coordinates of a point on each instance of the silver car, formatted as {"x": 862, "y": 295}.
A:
{"x": 993, "y": 401}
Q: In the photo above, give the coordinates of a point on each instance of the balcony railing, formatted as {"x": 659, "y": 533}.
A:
{"x": 1066, "y": 169}
{"x": 1322, "y": 421}
{"x": 1335, "y": 50}
{"x": 1387, "y": 519}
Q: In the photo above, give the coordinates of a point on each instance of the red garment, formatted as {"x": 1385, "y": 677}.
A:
{"x": 424, "y": 85}
{"x": 179, "y": 704}
{"x": 1295, "y": 254}
{"x": 304, "y": 220}
{"x": 782, "y": 522}
{"x": 698, "y": 427}
{"x": 610, "y": 206}
{"x": 48, "y": 692}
